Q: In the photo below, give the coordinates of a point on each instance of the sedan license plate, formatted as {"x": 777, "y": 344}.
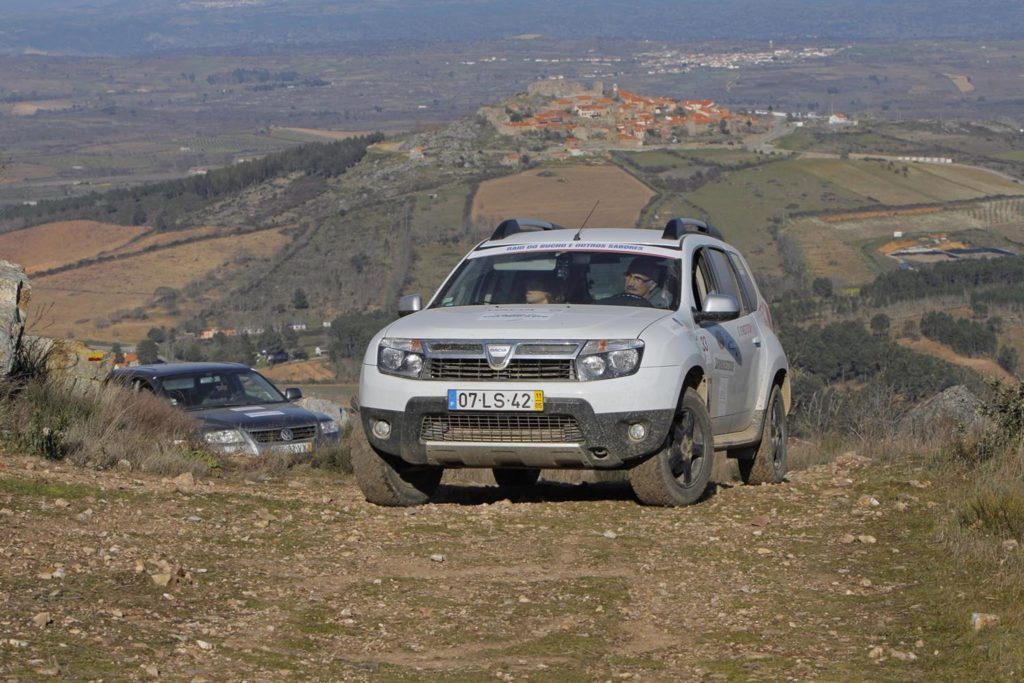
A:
{"x": 529, "y": 401}
{"x": 303, "y": 447}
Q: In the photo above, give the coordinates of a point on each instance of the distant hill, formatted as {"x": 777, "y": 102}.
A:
{"x": 129, "y": 27}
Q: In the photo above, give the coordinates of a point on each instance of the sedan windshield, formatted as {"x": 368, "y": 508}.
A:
{"x": 578, "y": 277}
{"x": 220, "y": 389}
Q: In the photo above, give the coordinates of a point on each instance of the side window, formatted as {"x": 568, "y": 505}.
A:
{"x": 701, "y": 279}
{"x": 725, "y": 278}
{"x": 254, "y": 390}
{"x": 746, "y": 282}
{"x": 139, "y": 384}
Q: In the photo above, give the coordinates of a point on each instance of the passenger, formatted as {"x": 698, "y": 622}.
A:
{"x": 542, "y": 288}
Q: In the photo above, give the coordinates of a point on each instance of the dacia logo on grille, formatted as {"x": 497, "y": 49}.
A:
{"x": 286, "y": 434}
{"x": 498, "y": 355}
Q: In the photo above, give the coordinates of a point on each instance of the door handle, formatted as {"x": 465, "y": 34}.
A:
{"x": 757, "y": 341}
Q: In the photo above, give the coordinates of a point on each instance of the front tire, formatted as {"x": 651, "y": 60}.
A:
{"x": 768, "y": 466}
{"x": 388, "y": 480}
{"x": 679, "y": 474}
{"x": 515, "y": 478}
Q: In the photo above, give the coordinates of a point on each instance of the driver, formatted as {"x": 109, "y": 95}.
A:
{"x": 642, "y": 277}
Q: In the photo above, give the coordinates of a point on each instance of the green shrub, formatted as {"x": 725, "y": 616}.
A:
{"x": 1006, "y": 410}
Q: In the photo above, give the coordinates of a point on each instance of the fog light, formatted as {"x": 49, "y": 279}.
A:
{"x": 381, "y": 429}
{"x": 637, "y": 431}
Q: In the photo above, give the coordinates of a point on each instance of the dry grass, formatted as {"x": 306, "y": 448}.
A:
{"x": 80, "y": 300}
{"x": 829, "y": 253}
{"x": 33, "y": 108}
{"x": 312, "y": 370}
{"x": 565, "y": 195}
{"x": 985, "y": 366}
{"x": 972, "y": 179}
{"x": 886, "y": 213}
{"x": 975, "y": 473}
{"x": 161, "y": 238}
{"x": 16, "y": 173}
{"x": 102, "y": 426}
{"x": 56, "y": 244}
{"x": 316, "y": 133}
{"x": 923, "y": 183}
{"x": 962, "y": 83}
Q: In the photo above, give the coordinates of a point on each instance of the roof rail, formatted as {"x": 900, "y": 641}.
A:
{"x": 512, "y": 226}
{"x": 677, "y": 227}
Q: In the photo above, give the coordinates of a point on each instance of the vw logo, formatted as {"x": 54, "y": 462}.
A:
{"x": 286, "y": 434}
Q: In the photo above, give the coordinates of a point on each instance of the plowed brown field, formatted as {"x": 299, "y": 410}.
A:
{"x": 565, "y": 197}
{"x": 76, "y": 299}
{"x": 55, "y": 244}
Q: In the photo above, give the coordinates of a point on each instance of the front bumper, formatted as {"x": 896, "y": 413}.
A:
{"x": 250, "y": 447}
{"x": 594, "y": 440}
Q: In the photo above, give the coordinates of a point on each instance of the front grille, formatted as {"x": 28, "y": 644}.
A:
{"x": 501, "y": 427}
{"x": 274, "y": 435}
{"x": 518, "y": 369}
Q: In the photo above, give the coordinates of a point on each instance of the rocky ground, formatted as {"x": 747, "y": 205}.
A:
{"x": 838, "y": 574}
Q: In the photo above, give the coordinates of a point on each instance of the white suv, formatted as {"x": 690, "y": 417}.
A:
{"x": 590, "y": 349}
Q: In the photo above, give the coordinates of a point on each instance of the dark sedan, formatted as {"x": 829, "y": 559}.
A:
{"x": 239, "y": 410}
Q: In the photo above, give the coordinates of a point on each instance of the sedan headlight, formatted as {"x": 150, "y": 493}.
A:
{"x": 403, "y": 357}
{"x": 224, "y": 436}
{"x": 328, "y": 427}
{"x": 608, "y": 358}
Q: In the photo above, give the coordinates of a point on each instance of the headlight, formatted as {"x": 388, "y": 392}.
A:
{"x": 328, "y": 427}
{"x": 402, "y": 357}
{"x": 224, "y": 436}
{"x": 607, "y": 358}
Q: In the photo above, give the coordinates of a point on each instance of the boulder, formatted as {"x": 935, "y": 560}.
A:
{"x": 329, "y": 408}
{"x": 943, "y": 412}
{"x": 14, "y": 295}
{"x": 70, "y": 359}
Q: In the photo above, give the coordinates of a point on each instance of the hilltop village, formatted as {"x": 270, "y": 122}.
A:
{"x": 578, "y": 118}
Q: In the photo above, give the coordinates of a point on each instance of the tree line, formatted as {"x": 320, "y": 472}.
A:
{"x": 847, "y": 352}
{"x": 944, "y": 279}
{"x": 166, "y": 205}
{"x": 966, "y": 337}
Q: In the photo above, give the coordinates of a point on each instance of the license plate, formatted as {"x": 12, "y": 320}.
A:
{"x": 304, "y": 447}
{"x": 529, "y": 401}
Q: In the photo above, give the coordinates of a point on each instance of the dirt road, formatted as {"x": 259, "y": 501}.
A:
{"x": 835, "y": 575}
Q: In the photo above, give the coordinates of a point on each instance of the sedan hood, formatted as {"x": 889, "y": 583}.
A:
{"x": 527, "y": 322}
{"x": 263, "y": 416}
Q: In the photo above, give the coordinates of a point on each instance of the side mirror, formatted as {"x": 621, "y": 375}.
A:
{"x": 293, "y": 393}
{"x": 718, "y": 308}
{"x": 410, "y": 303}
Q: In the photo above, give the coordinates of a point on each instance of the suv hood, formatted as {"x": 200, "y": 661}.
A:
{"x": 527, "y": 322}
{"x": 264, "y": 416}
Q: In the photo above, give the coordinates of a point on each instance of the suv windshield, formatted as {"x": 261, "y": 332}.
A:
{"x": 220, "y": 389}
{"x": 581, "y": 277}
